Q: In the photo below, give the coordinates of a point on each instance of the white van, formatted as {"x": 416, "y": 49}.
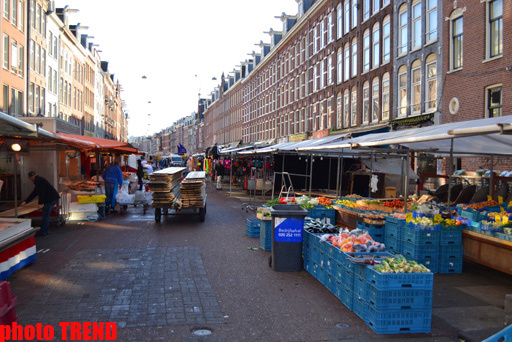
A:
{"x": 176, "y": 160}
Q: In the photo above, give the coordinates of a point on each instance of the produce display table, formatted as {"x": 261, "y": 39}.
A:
{"x": 22, "y": 211}
{"x": 488, "y": 250}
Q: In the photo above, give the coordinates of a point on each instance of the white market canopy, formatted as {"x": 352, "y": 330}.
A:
{"x": 474, "y": 137}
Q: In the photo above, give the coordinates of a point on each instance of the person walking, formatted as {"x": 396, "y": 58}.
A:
{"x": 140, "y": 173}
{"x": 48, "y": 198}
{"x": 219, "y": 172}
{"x": 113, "y": 177}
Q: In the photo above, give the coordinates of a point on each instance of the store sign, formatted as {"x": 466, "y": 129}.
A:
{"x": 298, "y": 137}
{"x": 321, "y": 134}
{"x": 288, "y": 229}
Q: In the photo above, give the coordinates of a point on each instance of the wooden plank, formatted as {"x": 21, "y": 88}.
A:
{"x": 23, "y": 210}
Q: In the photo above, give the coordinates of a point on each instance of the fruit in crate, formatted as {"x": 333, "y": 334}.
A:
{"x": 324, "y": 200}
{"x": 481, "y": 205}
{"x": 356, "y": 243}
{"x": 398, "y": 264}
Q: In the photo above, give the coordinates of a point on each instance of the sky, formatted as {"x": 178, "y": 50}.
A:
{"x": 178, "y": 45}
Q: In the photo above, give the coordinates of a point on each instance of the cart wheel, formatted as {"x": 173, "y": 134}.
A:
{"x": 166, "y": 211}
{"x": 125, "y": 207}
{"x": 270, "y": 260}
{"x": 158, "y": 214}
{"x": 145, "y": 207}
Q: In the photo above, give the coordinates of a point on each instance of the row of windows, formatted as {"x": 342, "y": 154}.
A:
{"x": 15, "y": 107}
{"x": 347, "y": 13}
{"x": 70, "y": 96}
{"x": 36, "y": 99}
{"x": 39, "y": 18}
{"x": 37, "y": 58}
{"x": 415, "y": 21}
{"x": 14, "y": 11}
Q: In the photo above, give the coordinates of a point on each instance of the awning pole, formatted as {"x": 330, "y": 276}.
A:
{"x": 371, "y": 175}
{"x": 491, "y": 177}
{"x": 338, "y": 179}
{"x": 15, "y": 186}
{"x": 406, "y": 194}
{"x": 310, "y": 174}
{"x": 451, "y": 171}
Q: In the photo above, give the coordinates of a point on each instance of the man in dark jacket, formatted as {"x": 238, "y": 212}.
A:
{"x": 140, "y": 173}
{"x": 48, "y": 198}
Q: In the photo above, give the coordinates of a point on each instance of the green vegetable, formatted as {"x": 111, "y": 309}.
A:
{"x": 272, "y": 202}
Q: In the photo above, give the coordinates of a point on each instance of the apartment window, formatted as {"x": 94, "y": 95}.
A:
{"x": 375, "y": 100}
{"x": 7, "y": 10}
{"x": 323, "y": 116}
{"x": 457, "y": 43}
{"x": 366, "y": 9}
{"x": 347, "y": 62}
{"x": 5, "y": 107}
{"x": 42, "y": 111}
{"x": 329, "y": 69}
{"x": 38, "y": 18}
{"x": 402, "y": 31}
{"x": 416, "y": 87}
{"x": 376, "y": 45}
{"x": 431, "y": 20}
{"x": 339, "y": 70}
{"x": 339, "y": 112}
{"x": 339, "y": 28}
{"x": 6, "y": 52}
{"x": 346, "y": 108}
{"x": 494, "y": 101}
{"x": 33, "y": 12}
{"x": 22, "y": 16}
{"x": 21, "y": 60}
{"x": 347, "y": 16}
{"x": 416, "y": 24}
{"x": 353, "y": 119}
{"x": 14, "y": 12}
{"x": 354, "y": 57}
{"x": 315, "y": 118}
{"x": 385, "y": 3}
{"x": 366, "y": 102}
{"x": 322, "y": 34}
{"x": 495, "y": 28}
{"x": 55, "y": 80}
{"x": 31, "y": 92}
{"x": 376, "y": 6}
{"x": 355, "y": 7}
{"x": 402, "y": 91}
{"x": 50, "y": 79}
{"x": 329, "y": 112}
{"x": 43, "y": 62}
{"x": 366, "y": 50}
{"x": 431, "y": 91}
{"x": 386, "y": 38}
{"x": 329, "y": 28}
{"x": 314, "y": 78}
{"x": 315, "y": 41}
{"x": 14, "y": 56}
{"x": 55, "y": 46}
{"x": 322, "y": 74}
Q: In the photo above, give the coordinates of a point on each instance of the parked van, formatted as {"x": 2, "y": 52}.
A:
{"x": 176, "y": 160}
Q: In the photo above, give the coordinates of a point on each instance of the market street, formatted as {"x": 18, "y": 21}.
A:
{"x": 162, "y": 281}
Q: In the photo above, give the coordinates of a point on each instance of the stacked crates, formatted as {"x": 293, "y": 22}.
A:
{"x": 266, "y": 235}
{"x": 325, "y": 215}
{"x": 253, "y": 227}
{"x": 451, "y": 251}
{"x": 377, "y": 232}
{"x": 393, "y": 234}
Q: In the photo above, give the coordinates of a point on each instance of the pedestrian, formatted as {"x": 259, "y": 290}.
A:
{"x": 48, "y": 198}
{"x": 140, "y": 173}
{"x": 113, "y": 177}
{"x": 219, "y": 172}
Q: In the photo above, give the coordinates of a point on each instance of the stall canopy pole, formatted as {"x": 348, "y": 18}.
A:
{"x": 406, "y": 192}
{"x": 338, "y": 180}
{"x": 329, "y": 176}
{"x": 310, "y": 174}
{"x": 15, "y": 185}
{"x": 371, "y": 175}
{"x": 450, "y": 172}
{"x": 491, "y": 177}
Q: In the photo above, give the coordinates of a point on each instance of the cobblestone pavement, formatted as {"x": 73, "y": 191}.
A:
{"x": 134, "y": 287}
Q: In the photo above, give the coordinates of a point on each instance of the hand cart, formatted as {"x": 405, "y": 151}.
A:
{"x": 173, "y": 208}
{"x": 124, "y": 206}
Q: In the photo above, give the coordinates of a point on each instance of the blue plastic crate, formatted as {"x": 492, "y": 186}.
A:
{"x": 360, "y": 307}
{"x": 451, "y": 251}
{"x": 450, "y": 237}
{"x": 419, "y": 252}
{"x": 420, "y": 237}
{"x": 338, "y": 271}
{"x": 504, "y": 335}
{"x": 382, "y": 300}
{"x": 450, "y": 265}
{"x": 348, "y": 278}
{"x": 423, "y": 227}
{"x": 471, "y": 214}
{"x": 266, "y": 235}
{"x": 396, "y": 281}
{"x": 253, "y": 222}
{"x": 431, "y": 263}
{"x": 325, "y": 215}
{"x": 360, "y": 287}
{"x": 347, "y": 297}
{"x": 393, "y": 245}
{"x": 394, "y": 227}
{"x": 401, "y": 321}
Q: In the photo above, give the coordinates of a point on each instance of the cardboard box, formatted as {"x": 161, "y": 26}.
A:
{"x": 263, "y": 213}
